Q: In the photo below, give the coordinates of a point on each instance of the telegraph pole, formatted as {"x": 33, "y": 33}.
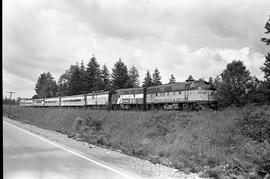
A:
{"x": 10, "y": 92}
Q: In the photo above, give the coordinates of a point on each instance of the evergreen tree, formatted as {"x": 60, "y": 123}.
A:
{"x": 105, "y": 76}
{"x": 217, "y": 82}
{"x": 120, "y": 78}
{"x": 210, "y": 81}
{"x": 190, "y": 78}
{"x": 93, "y": 73}
{"x": 75, "y": 83}
{"x": 83, "y": 78}
{"x": 172, "y": 79}
{"x": 266, "y": 67}
{"x": 46, "y": 86}
{"x": 265, "y": 87}
{"x": 156, "y": 78}
{"x": 133, "y": 77}
{"x": 147, "y": 80}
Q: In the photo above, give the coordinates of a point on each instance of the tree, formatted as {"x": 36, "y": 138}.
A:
{"x": 156, "y": 78}
{"x": 105, "y": 76}
{"x": 267, "y": 27}
{"x": 255, "y": 91}
{"x": 235, "y": 80}
{"x": 147, "y": 80}
{"x": 266, "y": 66}
{"x": 8, "y": 101}
{"x": 190, "y": 78}
{"x": 93, "y": 75}
{"x": 46, "y": 86}
{"x": 120, "y": 78}
{"x": 75, "y": 83}
{"x": 172, "y": 79}
{"x": 64, "y": 83}
{"x": 83, "y": 78}
{"x": 210, "y": 81}
{"x": 133, "y": 77}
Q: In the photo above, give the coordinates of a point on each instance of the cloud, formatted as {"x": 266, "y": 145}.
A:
{"x": 180, "y": 37}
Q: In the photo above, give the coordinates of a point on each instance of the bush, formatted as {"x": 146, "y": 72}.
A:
{"x": 255, "y": 124}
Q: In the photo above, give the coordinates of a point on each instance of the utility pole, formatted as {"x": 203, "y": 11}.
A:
{"x": 10, "y": 92}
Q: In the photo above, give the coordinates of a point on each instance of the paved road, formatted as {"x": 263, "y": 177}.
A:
{"x": 28, "y": 156}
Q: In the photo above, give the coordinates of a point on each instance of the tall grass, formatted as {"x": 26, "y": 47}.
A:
{"x": 188, "y": 141}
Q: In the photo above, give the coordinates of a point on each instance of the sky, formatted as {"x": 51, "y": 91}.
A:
{"x": 179, "y": 37}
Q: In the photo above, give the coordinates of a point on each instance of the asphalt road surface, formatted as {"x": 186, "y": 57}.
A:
{"x": 29, "y": 156}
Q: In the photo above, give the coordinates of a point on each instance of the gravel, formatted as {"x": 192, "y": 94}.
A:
{"x": 143, "y": 168}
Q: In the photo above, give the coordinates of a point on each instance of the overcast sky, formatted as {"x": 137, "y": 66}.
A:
{"x": 179, "y": 37}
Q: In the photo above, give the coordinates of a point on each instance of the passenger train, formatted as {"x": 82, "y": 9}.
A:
{"x": 189, "y": 95}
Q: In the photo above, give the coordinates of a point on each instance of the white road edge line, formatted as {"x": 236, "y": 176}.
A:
{"x": 91, "y": 160}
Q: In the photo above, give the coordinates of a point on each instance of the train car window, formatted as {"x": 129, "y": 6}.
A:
{"x": 156, "y": 94}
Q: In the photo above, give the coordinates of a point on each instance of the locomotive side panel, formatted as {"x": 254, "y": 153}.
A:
{"x": 99, "y": 99}
{"x": 103, "y": 99}
{"x": 130, "y": 98}
{"x": 166, "y": 97}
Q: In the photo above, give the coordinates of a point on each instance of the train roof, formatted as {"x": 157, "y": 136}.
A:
{"x": 98, "y": 92}
{"x": 130, "y": 91}
{"x": 73, "y": 96}
{"x": 178, "y": 86}
{"x": 52, "y": 98}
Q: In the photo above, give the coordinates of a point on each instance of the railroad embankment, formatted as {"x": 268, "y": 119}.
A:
{"x": 232, "y": 142}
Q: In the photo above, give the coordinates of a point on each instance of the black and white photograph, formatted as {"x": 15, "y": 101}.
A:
{"x": 136, "y": 89}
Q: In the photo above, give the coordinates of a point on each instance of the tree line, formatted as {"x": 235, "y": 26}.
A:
{"x": 235, "y": 85}
{"x": 7, "y": 101}
{"x": 81, "y": 79}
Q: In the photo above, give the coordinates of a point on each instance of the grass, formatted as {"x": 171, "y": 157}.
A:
{"x": 235, "y": 140}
